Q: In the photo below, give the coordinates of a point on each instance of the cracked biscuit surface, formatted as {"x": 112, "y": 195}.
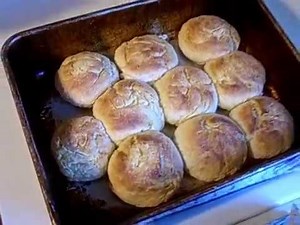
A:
{"x": 237, "y": 77}
{"x": 82, "y": 148}
{"x": 186, "y": 91}
{"x": 207, "y": 37}
{"x": 83, "y": 77}
{"x": 146, "y": 169}
{"x": 212, "y": 146}
{"x": 268, "y": 125}
{"x": 129, "y": 107}
{"x": 145, "y": 58}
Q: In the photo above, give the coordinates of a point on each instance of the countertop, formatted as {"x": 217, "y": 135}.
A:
{"x": 21, "y": 200}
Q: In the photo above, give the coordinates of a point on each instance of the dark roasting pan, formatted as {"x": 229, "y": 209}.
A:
{"x": 32, "y": 57}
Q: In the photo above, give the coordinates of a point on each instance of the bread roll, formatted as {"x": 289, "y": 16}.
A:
{"x": 186, "y": 91}
{"x": 237, "y": 76}
{"x": 145, "y": 58}
{"x": 212, "y": 146}
{"x": 82, "y": 148}
{"x": 207, "y": 37}
{"x": 127, "y": 108}
{"x": 83, "y": 77}
{"x": 267, "y": 124}
{"x": 146, "y": 169}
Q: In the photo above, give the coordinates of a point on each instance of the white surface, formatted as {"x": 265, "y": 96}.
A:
{"x": 287, "y": 13}
{"x": 277, "y": 213}
{"x": 21, "y": 200}
{"x": 244, "y": 204}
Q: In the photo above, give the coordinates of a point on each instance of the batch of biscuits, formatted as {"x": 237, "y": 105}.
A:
{"x": 146, "y": 88}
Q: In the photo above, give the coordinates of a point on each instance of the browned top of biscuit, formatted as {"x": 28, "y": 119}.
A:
{"x": 186, "y": 91}
{"x": 82, "y": 148}
{"x": 84, "y": 76}
{"x": 146, "y": 169}
{"x": 267, "y": 124}
{"x": 84, "y": 134}
{"x": 212, "y": 146}
{"x": 211, "y": 30}
{"x": 145, "y": 58}
{"x": 129, "y": 107}
{"x": 207, "y": 37}
{"x": 237, "y": 76}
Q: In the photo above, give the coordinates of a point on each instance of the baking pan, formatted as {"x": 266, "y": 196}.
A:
{"x": 32, "y": 57}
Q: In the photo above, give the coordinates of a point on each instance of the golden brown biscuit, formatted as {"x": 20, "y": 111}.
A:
{"x": 212, "y": 146}
{"x": 146, "y": 169}
{"x": 186, "y": 91}
{"x": 267, "y": 124}
{"x": 237, "y": 77}
{"x": 82, "y": 148}
{"x": 145, "y": 58}
{"x": 207, "y": 37}
{"x": 83, "y": 77}
{"x": 127, "y": 108}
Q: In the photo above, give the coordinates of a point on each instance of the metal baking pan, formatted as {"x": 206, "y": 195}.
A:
{"x": 32, "y": 57}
